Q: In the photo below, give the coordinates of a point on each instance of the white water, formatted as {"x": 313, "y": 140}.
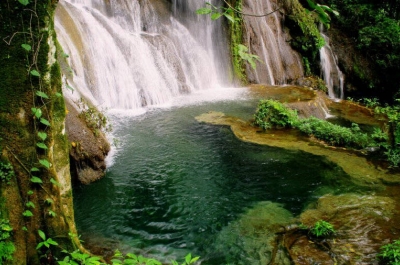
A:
{"x": 267, "y": 39}
{"x": 330, "y": 71}
{"x": 126, "y": 55}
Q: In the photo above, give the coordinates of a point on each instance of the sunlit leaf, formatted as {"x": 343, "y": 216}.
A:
{"x": 24, "y": 2}
{"x": 37, "y": 112}
{"x": 27, "y": 213}
{"x": 30, "y": 204}
{"x": 42, "y": 234}
{"x": 27, "y": 47}
{"x": 45, "y": 163}
{"x": 216, "y": 16}
{"x": 42, "y": 135}
{"x": 36, "y": 180}
{"x": 35, "y": 73}
{"x": 42, "y": 94}
{"x": 203, "y": 11}
{"x": 44, "y": 121}
{"x": 229, "y": 17}
{"x": 42, "y": 145}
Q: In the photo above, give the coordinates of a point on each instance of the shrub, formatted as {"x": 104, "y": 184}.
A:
{"x": 334, "y": 134}
{"x": 273, "y": 114}
{"x": 390, "y": 253}
{"x": 322, "y": 229}
{"x": 7, "y": 248}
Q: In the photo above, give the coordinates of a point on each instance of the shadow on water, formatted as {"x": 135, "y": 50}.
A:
{"x": 176, "y": 184}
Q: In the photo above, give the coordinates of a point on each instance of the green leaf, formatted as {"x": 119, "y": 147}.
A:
{"x": 44, "y": 121}
{"x": 58, "y": 95}
{"x": 35, "y": 169}
{"x": 229, "y": 17}
{"x": 36, "y": 180}
{"x": 39, "y": 245}
{"x": 52, "y": 214}
{"x": 203, "y": 11}
{"x": 42, "y": 145}
{"x": 35, "y": 73}
{"x": 27, "y": 47}
{"x": 55, "y": 182}
{"x": 43, "y": 136}
{"x": 216, "y": 16}
{"x": 193, "y": 260}
{"x": 49, "y": 201}
{"x": 30, "y": 204}
{"x": 24, "y": 2}
{"x": 27, "y": 213}
{"x": 188, "y": 258}
{"x": 24, "y": 228}
{"x": 42, "y": 94}
{"x": 37, "y": 112}
{"x": 42, "y": 234}
{"x": 30, "y": 192}
{"x": 45, "y": 163}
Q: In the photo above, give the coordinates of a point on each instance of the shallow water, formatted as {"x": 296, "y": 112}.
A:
{"x": 175, "y": 184}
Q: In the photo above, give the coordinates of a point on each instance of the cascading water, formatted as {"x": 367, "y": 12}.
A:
{"x": 267, "y": 39}
{"x": 131, "y": 54}
{"x": 330, "y": 71}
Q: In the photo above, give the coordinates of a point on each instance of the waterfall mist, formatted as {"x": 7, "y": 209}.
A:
{"x": 130, "y": 54}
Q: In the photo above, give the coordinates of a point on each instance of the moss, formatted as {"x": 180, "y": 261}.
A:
{"x": 236, "y": 37}
{"x": 303, "y": 28}
{"x": 18, "y": 130}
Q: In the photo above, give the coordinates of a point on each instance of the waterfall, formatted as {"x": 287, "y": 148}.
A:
{"x": 129, "y": 54}
{"x": 266, "y": 38}
{"x": 330, "y": 71}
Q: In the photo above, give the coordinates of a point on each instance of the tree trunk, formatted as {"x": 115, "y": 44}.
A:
{"x": 32, "y": 135}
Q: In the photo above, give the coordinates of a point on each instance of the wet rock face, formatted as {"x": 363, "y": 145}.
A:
{"x": 87, "y": 152}
{"x": 362, "y": 223}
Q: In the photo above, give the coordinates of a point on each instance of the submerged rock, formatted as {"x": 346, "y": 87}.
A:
{"x": 362, "y": 172}
{"x": 362, "y": 223}
{"x": 252, "y": 239}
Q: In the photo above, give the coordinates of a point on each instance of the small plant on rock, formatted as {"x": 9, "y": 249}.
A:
{"x": 322, "y": 229}
{"x": 273, "y": 114}
{"x": 390, "y": 253}
{"x": 6, "y": 172}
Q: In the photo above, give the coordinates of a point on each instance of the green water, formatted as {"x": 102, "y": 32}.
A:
{"x": 175, "y": 184}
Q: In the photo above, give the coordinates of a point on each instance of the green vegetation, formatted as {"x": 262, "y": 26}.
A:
{"x": 77, "y": 257}
{"x": 95, "y": 119}
{"x": 6, "y": 172}
{"x": 392, "y": 149}
{"x": 322, "y": 229}
{"x": 390, "y": 253}
{"x": 375, "y": 29}
{"x": 333, "y": 134}
{"x": 273, "y": 114}
{"x": 306, "y": 37}
{"x": 7, "y": 248}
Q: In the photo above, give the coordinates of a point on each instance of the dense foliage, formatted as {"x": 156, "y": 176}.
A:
{"x": 390, "y": 253}
{"x": 375, "y": 28}
{"x": 273, "y": 114}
